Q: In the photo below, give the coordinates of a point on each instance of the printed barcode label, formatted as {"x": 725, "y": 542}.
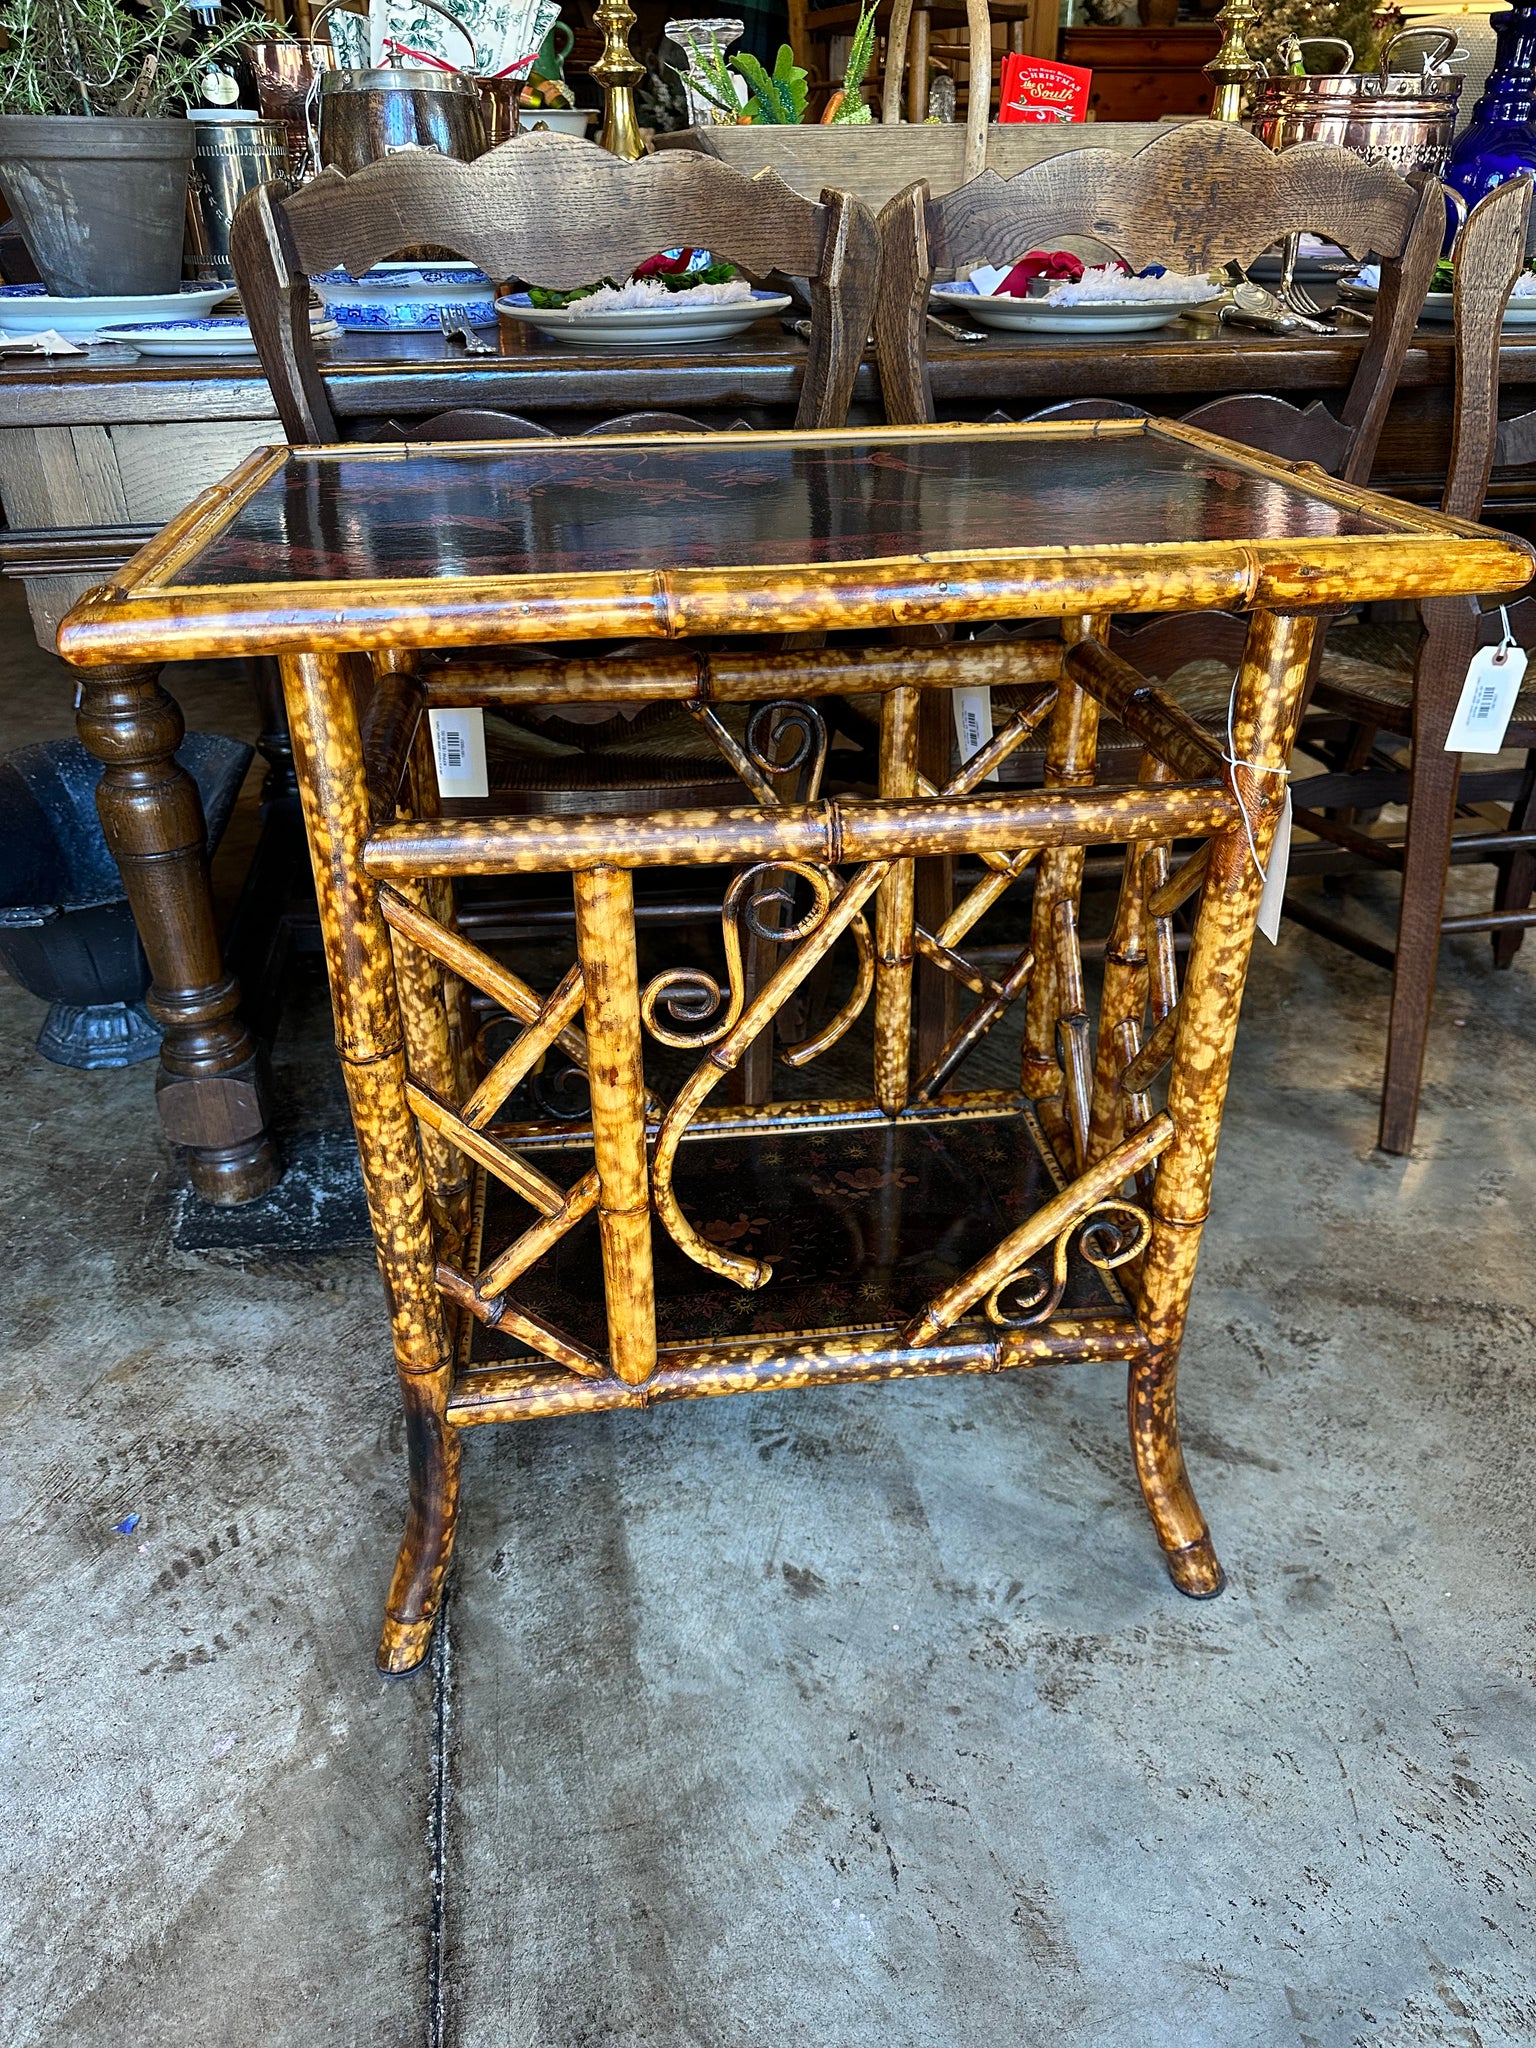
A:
{"x": 1494, "y": 676}
{"x": 458, "y": 750}
{"x": 973, "y": 723}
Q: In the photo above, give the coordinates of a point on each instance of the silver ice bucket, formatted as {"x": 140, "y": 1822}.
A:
{"x": 366, "y": 115}
{"x": 230, "y": 157}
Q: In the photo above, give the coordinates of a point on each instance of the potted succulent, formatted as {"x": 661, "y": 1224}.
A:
{"x": 94, "y": 140}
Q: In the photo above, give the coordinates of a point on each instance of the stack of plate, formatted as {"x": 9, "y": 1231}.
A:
{"x": 27, "y": 309}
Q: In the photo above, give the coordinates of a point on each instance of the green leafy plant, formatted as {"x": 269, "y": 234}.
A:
{"x": 778, "y": 97}
{"x": 861, "y": 51}
{"x": 103, "y": 57}
{"x": 718, "y": 272}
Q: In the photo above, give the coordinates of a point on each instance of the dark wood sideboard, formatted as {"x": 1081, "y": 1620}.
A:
{"x": 1140, "y": 74}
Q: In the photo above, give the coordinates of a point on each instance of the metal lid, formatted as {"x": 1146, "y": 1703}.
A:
{"x": 391, "y": 78}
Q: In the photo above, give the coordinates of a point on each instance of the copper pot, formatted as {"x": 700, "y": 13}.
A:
{"x": 499, "y": 108}
{"x": 288, "y": 87}
{"x": 1402, "y": 118}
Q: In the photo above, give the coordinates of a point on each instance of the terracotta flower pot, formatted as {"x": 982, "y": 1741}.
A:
{"x": 101, "y": 204}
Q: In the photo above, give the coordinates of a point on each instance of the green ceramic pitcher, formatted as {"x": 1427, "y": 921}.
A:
{"x": 550, "y": 62}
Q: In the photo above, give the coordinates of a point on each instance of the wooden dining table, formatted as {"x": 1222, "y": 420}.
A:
{"x": 98, "y": 451}
{"x": 322, "y": 554}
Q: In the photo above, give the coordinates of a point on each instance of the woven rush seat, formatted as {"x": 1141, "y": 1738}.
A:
{"x": 606, "y": 785}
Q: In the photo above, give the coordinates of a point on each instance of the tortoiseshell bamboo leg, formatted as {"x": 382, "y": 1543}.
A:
{"x": 1124, "y": 999}
{"x": 1071, "y": 750}
{"x": 895, "y": 912}
{"x": 430, "y": 1052}
{"x": 934, "y": 993}
{"x": 424, "y": 1018}
{"x": 1269, "y": 692}
{"x": 605, "y": 940}
{"x": 323, "y": 720}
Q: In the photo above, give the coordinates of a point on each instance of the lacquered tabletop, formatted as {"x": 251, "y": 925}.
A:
{"x": 450, "y": 544}
{"x": 542, "y": 509}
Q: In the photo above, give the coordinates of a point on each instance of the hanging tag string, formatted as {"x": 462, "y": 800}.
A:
{"x": 1254, "y": 768}
{"x": 1509, "y": 643}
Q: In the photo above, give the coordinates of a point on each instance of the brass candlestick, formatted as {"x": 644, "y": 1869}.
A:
{"x": 617, "y": 72}
{"x": 1233, "y": 64}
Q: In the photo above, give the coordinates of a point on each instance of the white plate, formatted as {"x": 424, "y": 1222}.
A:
{"x": 1442, "y": 306}
{"x": 558, "y": 120}
{"x": 405, "y": 298}
{"x": 673, "y": 325}
{"x": 1039, "y": 316}
{"x": 230, "y": 336}
{"x": 24, "y": 309}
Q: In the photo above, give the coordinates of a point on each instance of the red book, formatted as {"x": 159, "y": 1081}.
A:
{"x": 1035, "y": 90}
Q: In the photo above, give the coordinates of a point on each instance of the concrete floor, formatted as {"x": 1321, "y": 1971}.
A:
{"x": 851, "y": 1717}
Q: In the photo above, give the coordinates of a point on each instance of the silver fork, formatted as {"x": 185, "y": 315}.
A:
{"x": 461, "y": 332}
{"x": 1294, "y": 297}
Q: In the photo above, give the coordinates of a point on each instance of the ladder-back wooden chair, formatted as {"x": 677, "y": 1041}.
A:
{"x": 560, "y": 212}
{"x": 555, "y": 211}
{"x": 1379, "y": 708}
{"x": 1202, "y": 196}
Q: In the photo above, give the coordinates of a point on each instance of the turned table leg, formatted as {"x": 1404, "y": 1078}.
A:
{"x": 210, "y": 1090}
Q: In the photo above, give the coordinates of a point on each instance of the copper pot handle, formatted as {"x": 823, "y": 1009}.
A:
{"x": 1300, "y": 43}
{"x": 1448, "y": 46}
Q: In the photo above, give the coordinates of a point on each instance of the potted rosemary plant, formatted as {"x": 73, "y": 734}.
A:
{"x": 94, "y": 140}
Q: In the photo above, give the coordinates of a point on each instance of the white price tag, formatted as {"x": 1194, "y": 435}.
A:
{"x": 1494, "y": 676}
{"x": 458, "y": 749}
{"x": 973, "y": 723}
{"x": 1272, "y": 902}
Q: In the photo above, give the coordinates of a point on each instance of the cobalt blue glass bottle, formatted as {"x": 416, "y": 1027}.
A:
{"x": 1501, "y": 142}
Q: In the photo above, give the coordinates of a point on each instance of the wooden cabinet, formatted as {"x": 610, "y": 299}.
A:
{"x": 1140, "y": 74}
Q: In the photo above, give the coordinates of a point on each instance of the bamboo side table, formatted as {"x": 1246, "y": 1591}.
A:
{"x": 664, "y": 1245}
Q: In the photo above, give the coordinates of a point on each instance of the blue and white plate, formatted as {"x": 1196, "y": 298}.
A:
{"x": 27, "y": 309}
{"x": 227, "y": 336}
{"x": 406, "y": 298}
{"x": 673, "y": 323}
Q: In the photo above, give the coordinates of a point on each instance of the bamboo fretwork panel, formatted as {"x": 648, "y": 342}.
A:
{"x": 1091, "y": 1082}
{"x": 1119, "y": 1187}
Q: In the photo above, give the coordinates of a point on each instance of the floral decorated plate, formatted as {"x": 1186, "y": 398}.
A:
{"x": 27, "y": 309}
{"x": 670, "y": 323}
{"x": 406, "y": 298}
{"x": 1047, "y": 315}
{"x": 230, "y": 336}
